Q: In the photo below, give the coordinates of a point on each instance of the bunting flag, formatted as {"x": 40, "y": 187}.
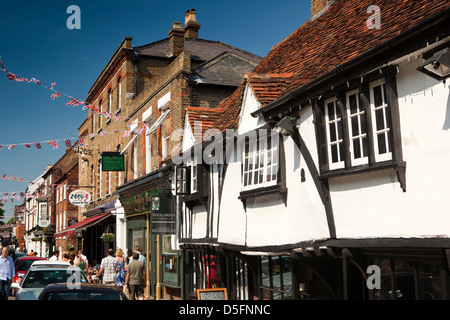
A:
{"x": 56, "y": 95}
{"x": 11, "y": 147}
{"x": 27, "y": 145}
{"x": 81, "y": 141}
{"x": 67, "y": 142}
{"x": 38, "y": 145}
{"x": 53, "y": 143}
{"x": 5, "y": 176}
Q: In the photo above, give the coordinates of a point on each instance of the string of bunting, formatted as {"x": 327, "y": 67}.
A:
{"x": 20, "y": 195}
{"x": 73, "y": 102}
{"x": 68, "y": 141}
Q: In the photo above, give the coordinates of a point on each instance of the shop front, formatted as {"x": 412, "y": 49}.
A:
{"x": 150, "y": 229}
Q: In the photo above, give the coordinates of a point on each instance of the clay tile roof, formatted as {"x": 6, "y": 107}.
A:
{"x": 208, "y": 117}
{"x": 231, "y": 106}
{"x": 320, "y": 45}
{"x": 268, "y": 87}
{"x": 341, "y": 34}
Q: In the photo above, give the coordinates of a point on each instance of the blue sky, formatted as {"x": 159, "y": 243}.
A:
{"x": 35, "y": 42}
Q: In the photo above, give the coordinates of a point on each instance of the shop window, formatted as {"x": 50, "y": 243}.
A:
{"x": 170, "y": 261}
{"x": 410, "y": 280}
{"x": 276, "y": 278}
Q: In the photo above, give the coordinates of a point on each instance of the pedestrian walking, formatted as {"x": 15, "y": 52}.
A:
{"x": 120, "y": 281}
{"x": 81, "y": 258}
{"x": 108, "y": 268}
{"x": 141, "y": 257}
{"x": 136, "y": 278}
{"x": 55, "y": 256}
{"x": 6, "y": 273}
{"x": 79, "y": 262}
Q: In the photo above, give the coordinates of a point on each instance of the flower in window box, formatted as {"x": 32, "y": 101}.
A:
{"x": 107, "y": 237}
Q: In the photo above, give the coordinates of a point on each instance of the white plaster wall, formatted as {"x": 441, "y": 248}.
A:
{"x": 373, "y": 204}
{"x": 199, "y": 218}
{"x": 249, "y": 104}
{"x": 268, "y": 221}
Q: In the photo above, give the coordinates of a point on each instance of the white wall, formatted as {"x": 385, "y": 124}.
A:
{"x": 267, "y": 220}
{"x": 373, "y": 204}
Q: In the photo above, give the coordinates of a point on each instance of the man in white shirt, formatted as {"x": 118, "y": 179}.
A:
{"x": 7, "y": 272}
{"x": 55, "y": 256}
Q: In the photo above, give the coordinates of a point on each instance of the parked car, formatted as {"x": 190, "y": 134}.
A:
{"x": 43, "y": 273}
{"x": 86, "y": 291}
{"x": 21, "y": 267}
{"x": 17, "y": 255}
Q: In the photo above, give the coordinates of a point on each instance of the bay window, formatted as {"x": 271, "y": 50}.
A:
{"x": 355, "y": 126}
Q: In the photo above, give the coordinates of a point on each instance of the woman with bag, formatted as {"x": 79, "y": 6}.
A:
{"x": 120, "y": 281}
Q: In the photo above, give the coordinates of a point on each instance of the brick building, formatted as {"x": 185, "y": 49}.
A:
{"x": 65, "y": 214}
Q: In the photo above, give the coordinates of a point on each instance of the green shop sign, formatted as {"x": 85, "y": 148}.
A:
{"x": 113, "y": 161}
{"x": 142, "y": 202}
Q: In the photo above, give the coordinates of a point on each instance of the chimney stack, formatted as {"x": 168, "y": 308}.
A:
{"x": 318, "y": 5}
{"x": 191, "y": 25}
{"x": 176, "y": 39}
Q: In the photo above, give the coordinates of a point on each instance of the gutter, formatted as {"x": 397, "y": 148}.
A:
{"x": 385, "y": 46}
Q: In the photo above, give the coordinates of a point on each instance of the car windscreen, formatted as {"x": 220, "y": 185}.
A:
{"x": 40, "y": 278}
{"x": 82, "y": 295}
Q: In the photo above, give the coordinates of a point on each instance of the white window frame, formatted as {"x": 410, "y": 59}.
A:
{"x": 386, "y": 131}
{"x": 109, "y": 105}
{"x": 109, "y": 182}
{"x": 135, "y": 160}
{"x": 165, "y": 146}
{"x": 146, "y": 118}
{"x": 194, "y": 177}
{"x": 119, "y": 100}
{"x": 268, "y": 161}
{"x": 100, "y": 117}
{"x": 339, "y": 141}
{"x": 360, "y": 136}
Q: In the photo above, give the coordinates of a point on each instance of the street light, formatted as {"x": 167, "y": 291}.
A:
{"x": 438, "y": 66}
{"x": 285, "y": 126}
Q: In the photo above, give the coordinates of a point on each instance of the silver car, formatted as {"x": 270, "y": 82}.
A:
{"x": 39, "y": 276}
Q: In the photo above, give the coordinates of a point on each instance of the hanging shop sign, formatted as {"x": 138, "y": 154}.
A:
{"x": 113, "y": 161}
{"x": 79, "y": 198}
{"x": 139, "y": 203}
{"x": 43, "y": 223}
{"x": 162, "y": 218}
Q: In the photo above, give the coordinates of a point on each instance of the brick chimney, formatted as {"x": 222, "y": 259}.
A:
{"x": 176, "y": 39}
{"x": 318, "y": 5}
{"x": 191, "y": 25}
